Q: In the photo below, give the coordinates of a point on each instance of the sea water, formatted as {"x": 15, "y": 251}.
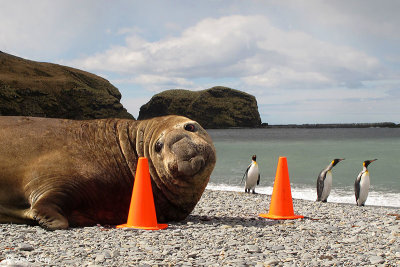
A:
{"x": 308, "y": 151}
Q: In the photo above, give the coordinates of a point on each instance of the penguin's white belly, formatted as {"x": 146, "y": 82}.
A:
{"x": 364, "y": 188}
{"x": 252, "y": 177}
{"x": 327, "y": 186}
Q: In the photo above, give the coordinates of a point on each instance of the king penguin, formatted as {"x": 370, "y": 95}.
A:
{"x": 324, "y": 181}
{"x": 252, "y": 176}
{"x": 361, "y": 185}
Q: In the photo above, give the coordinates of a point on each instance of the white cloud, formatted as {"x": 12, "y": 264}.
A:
{"x": 155, "y": 82}
{"x": 288, "y": 78}
{"x": 246, "y": 47}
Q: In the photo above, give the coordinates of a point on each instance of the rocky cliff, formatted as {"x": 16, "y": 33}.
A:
{"x": 217, "y": 107}
{"x": 39, "y": 89}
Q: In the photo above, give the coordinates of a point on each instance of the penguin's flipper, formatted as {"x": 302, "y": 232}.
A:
{"x": 357, "y": 185}
{"x": 258, "y": 181}
{"x": 245, "y": 173}
{"x": 320, "y": 184}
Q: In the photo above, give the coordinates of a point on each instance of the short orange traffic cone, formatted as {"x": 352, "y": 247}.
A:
{"x": 281, "y": 206}
{"x": 142, "y": 212}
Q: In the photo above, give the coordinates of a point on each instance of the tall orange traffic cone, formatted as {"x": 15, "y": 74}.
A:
{"x": 281, "y": 206}
{"x": 142, "y": 212}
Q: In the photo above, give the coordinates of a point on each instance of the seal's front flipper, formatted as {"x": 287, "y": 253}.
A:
{"x": 12, "y": 214}
{"x": 49, "y": 217}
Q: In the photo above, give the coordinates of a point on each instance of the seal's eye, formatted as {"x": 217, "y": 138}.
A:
{"x": 158, "y": 146}
{"x": 190, "y": 127}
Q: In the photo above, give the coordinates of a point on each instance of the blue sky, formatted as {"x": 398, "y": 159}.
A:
{"x": 305, "y": 61}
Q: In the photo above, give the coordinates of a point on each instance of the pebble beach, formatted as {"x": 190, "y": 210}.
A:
{"x": 223, "y": 230}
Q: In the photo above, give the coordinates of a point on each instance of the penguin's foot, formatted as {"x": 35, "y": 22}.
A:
{"x": 254, "y": 192}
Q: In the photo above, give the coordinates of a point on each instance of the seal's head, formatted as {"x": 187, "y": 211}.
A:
{"x": 182, "y": 158}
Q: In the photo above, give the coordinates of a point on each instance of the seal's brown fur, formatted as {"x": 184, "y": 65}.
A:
{"x": 61, "y": 173}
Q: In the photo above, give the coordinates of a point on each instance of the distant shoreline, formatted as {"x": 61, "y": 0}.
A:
{"x": 335, "y": 125}
{"x": 319, "y": 126}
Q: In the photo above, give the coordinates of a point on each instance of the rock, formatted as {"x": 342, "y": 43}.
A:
{"x": 306, "y": 255}
{"x": 107, "y": 254}
{"x": 30, "y": 88}
{"x": 100, "y": 258}
{"x": 25, "y": 247}
{"x": 277, "y": 248}
{"x": 217, "y": 107}
{"x": 271, "y": 262}
{"x": 350, "y": 240}
{"x": 115, "y": 253}
{"x": 15, "y": 263}
{"x": 192, "y": 254}
{"x": 376, "y": 260}
{"x": 253, "y": 249}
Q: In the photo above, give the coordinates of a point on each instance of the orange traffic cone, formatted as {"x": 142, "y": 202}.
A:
{"x": 281, "y": 206}
{"x": 142, "y": 212}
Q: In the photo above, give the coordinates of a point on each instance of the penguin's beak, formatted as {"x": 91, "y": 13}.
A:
{"x": 336, "y": 161}
{"x": 367, "y": 162}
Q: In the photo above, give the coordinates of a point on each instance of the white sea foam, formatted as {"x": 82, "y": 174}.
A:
{"x": 375, "y": 198}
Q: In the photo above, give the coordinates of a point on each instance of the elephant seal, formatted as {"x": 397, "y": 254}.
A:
{"x": 62, "y": 173}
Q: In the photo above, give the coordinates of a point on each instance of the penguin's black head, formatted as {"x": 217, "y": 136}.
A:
{"x": 336, "y": 161}
{"x": 367, "y": 162}
{"x": 254, "y": 157}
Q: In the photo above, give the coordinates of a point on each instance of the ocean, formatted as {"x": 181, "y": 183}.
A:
{"x": 308, "y": 151}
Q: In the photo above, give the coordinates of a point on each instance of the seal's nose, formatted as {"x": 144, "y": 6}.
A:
{"x": 189, "y": 158}
{"x": 184, "y": 149}
{"x": 191, "y": 167}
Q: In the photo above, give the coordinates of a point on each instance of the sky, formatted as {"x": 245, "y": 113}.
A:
{"x": 304, "y": 61}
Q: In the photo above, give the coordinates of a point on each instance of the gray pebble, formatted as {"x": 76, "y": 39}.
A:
{"x": 376, "y": 260}
{"x": 15, "y": 263}
{"x": 253, "y": 249}
{"x": 115, "y": 253}
{"x": 271, "y": 262}
{"x": 107, "y": 254}
{"x": 277, "y": 248}
{"x": 25, "y": 247}
{"x": 100, "y": 258}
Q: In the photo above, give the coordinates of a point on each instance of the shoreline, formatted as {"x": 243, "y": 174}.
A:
{"x": 338, "y": 195}
{"x": 265, "y": 125}
{"x": 224, "y": 229}
{"x": 335, "y": 125}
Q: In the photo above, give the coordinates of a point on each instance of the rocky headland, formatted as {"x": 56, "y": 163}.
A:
{"x": 30, "y": 88}
{"x": 217, "y": 107}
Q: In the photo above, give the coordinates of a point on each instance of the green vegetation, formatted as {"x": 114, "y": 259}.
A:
{"x": 217, "y": 107}
{"x": 30, "y": 88}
